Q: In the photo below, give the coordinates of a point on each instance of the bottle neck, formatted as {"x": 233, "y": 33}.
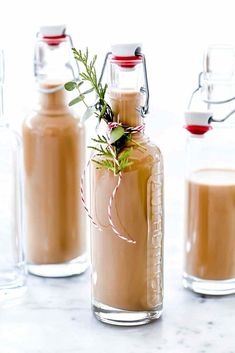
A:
{"x": 53, "y": 67}
{"x": 125, "y": 81}
{"x": 126, "y": 105}
{"x": 52, "y": 99}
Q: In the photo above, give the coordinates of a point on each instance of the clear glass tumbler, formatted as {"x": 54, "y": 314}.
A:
{"x": 12, "y": 263}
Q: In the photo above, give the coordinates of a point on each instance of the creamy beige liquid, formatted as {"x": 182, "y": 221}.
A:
{"x": 124, "y": 105}
{"x": 129, "y": 276}
{"x": 54, "y": 150}
{"x": 210, "y": 231}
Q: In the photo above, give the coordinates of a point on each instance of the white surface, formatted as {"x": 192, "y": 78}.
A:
{"x": 55, "y": 317}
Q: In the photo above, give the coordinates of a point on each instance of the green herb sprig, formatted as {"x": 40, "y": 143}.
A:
{"x": 111, "y": 151}
{"x": 101, "y": 108}
{"x": 114, "y": 160}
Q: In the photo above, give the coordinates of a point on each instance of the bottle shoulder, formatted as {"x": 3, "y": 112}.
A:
{"x": 38, "y": 123}
{"x": 144, "y": 148}
{"x": 144, "y": 156}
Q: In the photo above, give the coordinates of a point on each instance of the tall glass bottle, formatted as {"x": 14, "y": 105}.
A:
{"x": 12, "y": 261}
{"x": 54, "y": 154}
{"x": 210, "y": 180}
{"x": 127, "y": 277}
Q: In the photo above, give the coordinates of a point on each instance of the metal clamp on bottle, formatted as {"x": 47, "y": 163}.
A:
{"x": 49, "y": 38}
{"x": 128, "y": 56}
{"x": 216, "y": 84}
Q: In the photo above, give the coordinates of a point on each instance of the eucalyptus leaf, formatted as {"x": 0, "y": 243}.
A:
{"x": 88, "y": 113}
{"x": 79, "y": 83}
{"x": 70, "y": 86}
{"x": 76, "y": 100}
{"x": 113, "y": 148}
{"x": 88, "y": 91}
{"x": 116, "y": 134}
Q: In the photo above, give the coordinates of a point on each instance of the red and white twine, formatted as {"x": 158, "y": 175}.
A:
{"x": 133, "y": 130}
{"x": 112, "y": 197}
{"x": 111, "y": 126}
{"x": 83, "y": 196}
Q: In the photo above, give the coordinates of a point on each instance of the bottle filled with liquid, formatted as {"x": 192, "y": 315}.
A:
{"x": 54, "y": 157}
{"x": 12, "y": 257}
{"x": 127, "y": 248}
{"x": 210, "y": 181}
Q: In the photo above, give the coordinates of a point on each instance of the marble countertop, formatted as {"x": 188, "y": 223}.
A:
{"x": 54, "y": 315}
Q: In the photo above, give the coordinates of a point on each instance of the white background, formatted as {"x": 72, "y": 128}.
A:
{"x": 174, "y": 35}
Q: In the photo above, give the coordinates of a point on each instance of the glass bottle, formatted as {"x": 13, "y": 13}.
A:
{"x": 54, "y": 154}
{"x": 12, "y": 261}
{"x": 210, "y": 182}
{"x": 127, "y": 275}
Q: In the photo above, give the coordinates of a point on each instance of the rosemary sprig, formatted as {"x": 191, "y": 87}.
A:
{"x": 110, "y": 152}
{"x": 90, "y": 74}
{"x": 101, "y": 108}
{"x": 114, "y": 160}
